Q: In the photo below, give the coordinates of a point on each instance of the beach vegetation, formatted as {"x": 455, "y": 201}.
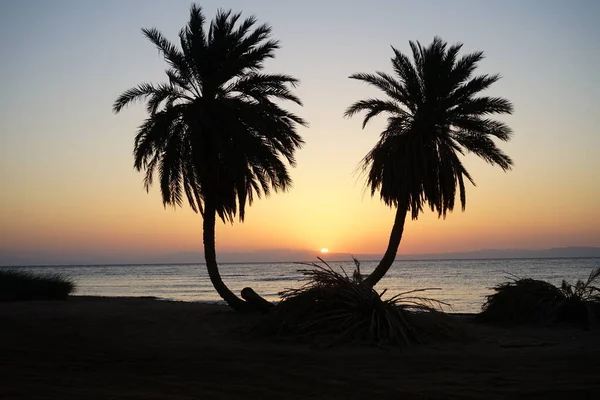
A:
{"x": 20, "y": 285}
{"x": 581, "y": 300}
{"x": 332, "y": 307}
{"x": 530, "y": 301}
{"x": 522, "y": 300}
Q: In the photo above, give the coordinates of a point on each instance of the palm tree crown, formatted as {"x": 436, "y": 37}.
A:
{"x": 214, "y": 132}
{"x": 435, "y": 115}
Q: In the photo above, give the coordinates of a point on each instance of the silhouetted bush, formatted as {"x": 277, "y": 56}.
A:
{"x": 530, "y": 301}
{"x": 332, "y": 308}
{"x": 18, "y": 285}
{"x": 581, "y": 303}
{"x": 522, "y": 301}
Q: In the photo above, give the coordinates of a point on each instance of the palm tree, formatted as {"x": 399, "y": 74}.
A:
{"x": 435, "y": 115}
{"x": 215, "y": 133}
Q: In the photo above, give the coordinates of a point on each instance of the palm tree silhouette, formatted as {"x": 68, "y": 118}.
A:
{"x": 434, "y": 116}
{"x": 215, "y": 133}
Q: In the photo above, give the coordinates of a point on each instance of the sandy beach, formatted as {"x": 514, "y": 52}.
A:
{"x": 136, "y": 348}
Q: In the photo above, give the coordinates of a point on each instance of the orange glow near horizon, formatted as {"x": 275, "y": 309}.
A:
{"x": 67, "y": 184}
{"x": 361, "y": 226}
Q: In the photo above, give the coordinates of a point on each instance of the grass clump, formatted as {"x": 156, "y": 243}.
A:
{"x": 332, "y": 307}
{"x": 17, "y": 285}
{"x": 530, "y": 301}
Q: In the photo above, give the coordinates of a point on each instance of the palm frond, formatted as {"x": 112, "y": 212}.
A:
{"x": 485, "y": 148}
{"x": 173, "y": 56}
{"x": 265, "y": 87}
{"x": 480, "y": 106}
{"x": 594, "y": 275}
{"x": 374, "y": 107}
{"x": 134, "y": 94}
{"x": 462, "y": 91}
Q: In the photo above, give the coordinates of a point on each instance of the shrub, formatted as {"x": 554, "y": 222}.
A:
{"x": 522, "y": 301}
{"x": 581, "y": 302}
{"x": 17, "y": 285}
{"x": 539, "y": 302}
{"x": 336, "y": 308}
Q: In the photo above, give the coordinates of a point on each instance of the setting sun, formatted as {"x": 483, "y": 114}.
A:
{"x": 324, "y": 250}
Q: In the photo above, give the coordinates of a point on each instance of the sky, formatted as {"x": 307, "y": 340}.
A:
{"x": 68, "y": 189}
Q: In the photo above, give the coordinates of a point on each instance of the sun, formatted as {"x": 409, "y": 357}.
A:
{"x": 324, "y": 250}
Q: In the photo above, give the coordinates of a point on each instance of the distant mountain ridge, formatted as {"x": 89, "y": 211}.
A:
{"x": 283, "y": 255}
{"x": 8, "y": 258}
{"x": 554, "y": 252}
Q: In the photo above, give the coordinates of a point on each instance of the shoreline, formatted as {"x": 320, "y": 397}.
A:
{"x": 218, "y": 303}
{"x": 97, "y": 347}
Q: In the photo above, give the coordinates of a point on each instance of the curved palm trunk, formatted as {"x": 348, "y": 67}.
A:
{"x": 210, "y": 256}
{"x": 390, "y": 254}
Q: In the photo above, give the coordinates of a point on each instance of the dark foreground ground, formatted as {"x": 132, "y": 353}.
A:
{"x": 108, "y": 348}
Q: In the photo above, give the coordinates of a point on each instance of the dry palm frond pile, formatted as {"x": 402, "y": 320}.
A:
{"x": 333, "y": 307}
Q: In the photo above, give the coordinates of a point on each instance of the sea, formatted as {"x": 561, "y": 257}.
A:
{"x": 461, "y": 283}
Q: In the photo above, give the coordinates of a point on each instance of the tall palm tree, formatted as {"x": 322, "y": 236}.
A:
{"x": 435, "y": 114}
{"x": 215, "y": 132}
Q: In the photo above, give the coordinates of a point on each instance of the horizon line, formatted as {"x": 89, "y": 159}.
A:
{"x": 293, "y": 262}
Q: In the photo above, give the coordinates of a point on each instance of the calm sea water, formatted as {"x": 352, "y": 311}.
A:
{"x": 463, "y": 283}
